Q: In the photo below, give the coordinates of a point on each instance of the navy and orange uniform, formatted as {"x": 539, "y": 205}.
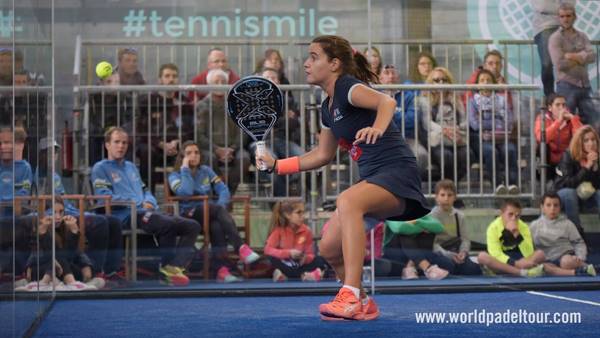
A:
{"x": 388, "y": 163}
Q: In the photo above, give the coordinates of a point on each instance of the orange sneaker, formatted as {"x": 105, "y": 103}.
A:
{"x": 370, "y": 311}
{"x": 344, "y": 306}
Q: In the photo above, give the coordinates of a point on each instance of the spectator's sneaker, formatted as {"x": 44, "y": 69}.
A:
{"x": 587, "y": 270}
{"x": 313, "y": 276}
{"x": 344, "y": 306}
{"x": 248, "y": 255}
{"x": 434, "y": 272}
{"x": 61, "y": 287}
{"x": 173, "y": 275}
{"x": 536, "y": 271}
{"x": 370, "y": 310}
{"x": 409, "y": 272}
{"x": 501, "y": 190}
{"x": 97, "y": 282}
{"x": 225, "y": 276}
{"x": 278, "y": 276}
{"x": 513, "y": 189}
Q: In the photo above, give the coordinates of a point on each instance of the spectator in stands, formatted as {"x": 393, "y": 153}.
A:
{"x": 491, "y": 122}
{"x": 578, "y": 174}
{"x": 272, "y": 59}
{"x": 374, "y": 57}
{"x": 227, "y": 142}
{"x": 423, "y": 64}
{"x": 290, "y": 245}
{"x": 6, "y": 67}
{"x": 571, "y": 52}
{"x": 121, "y": 180}
{"x": 285, "y": 143}
{"x": 71, "y": 265}
{"x": 560, "y": 240}
{"x": 171, "y": 123}
{"x": 127, "y": 70}
{"x": 560, "y": 125}
{"x": 510, "y": 248}
{"x": 452, "y": 245}
{"x": 102, "y": 232}
{"x": 15, "y": 180}
{"x": 404, "y": 116}
{"x": 443, "y": 125}
{"x": 11, "y": 155}
{"x": 545, "y": 22}
{"x": 216, "y": 59}
{"x": 191, "y": 178}
{"x": 492, "y": 61}
{"x": 411, "y": 244}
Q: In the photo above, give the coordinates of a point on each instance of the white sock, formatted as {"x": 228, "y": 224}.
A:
{"x": 354, "y": 290}
{"x": 365, "y": 300}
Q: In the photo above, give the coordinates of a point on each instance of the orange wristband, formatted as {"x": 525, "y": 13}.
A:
{"x": 290, "y": 165}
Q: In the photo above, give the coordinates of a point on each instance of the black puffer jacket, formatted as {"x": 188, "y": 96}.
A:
{"x": 569, "y": 173}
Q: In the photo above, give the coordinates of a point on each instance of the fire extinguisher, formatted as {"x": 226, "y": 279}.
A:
{"x": 67, "y": 151}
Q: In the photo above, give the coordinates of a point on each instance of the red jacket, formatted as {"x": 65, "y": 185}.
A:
{"x": 200, "y": 79}
{"x": 282, "y": 239}
{"x": 558, "y": 134}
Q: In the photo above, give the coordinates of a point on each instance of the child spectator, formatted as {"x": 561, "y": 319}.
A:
{"x": 290, "y": 245}
{"x": 559, "y": 239}
{"x": 69, "y": 263}
{"x": 452, "y": 245}
{"x": 193, "y": 179}
{"x": 491, "y": 122}
{"x": 509, "y": 245}
{"x": 560, "y": 127}
{"x": 578, "y": 174}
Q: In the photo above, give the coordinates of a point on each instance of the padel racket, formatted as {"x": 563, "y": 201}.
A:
{"x": 255, "y": 104}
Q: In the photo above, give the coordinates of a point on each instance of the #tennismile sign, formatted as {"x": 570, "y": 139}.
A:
{"x": 305, "y": 22}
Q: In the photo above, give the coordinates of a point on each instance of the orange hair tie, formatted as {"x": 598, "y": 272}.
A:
{"x": 290, "y": 165}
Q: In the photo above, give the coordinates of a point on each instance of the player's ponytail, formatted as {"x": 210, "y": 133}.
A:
{"x": 353, "y": 62}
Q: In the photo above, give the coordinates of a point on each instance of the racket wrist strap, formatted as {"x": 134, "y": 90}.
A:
{"x": 270, "y": 170}
{"x": 290, "y": 165}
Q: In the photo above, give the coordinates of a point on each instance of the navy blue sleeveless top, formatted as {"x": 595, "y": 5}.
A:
{"x": 345, "y": 120}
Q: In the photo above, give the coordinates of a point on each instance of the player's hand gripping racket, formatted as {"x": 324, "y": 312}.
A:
{"x": 255, "y": 104}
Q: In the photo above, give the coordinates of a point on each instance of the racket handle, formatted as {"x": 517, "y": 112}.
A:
{"x": 261, "y": 149}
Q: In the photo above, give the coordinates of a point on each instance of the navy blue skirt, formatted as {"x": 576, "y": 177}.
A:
{"x": 404, "y": 182}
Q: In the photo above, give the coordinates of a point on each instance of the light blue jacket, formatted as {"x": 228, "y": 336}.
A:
{"x": 121, "y": 180}
{"x": 203, "y": 182}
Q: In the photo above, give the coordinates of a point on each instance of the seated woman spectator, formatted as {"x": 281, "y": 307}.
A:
{"x": 560, "y": 240}
{"x": 191, "y": 179}
{"x": 272, "y": 59}
{"x": 491, "y": 121}
{"x": 374, "y": 57}
{"x": 290, "y": 245}
{"x": 70, "y": 263}
{"x": 578, "y": 174}
{"x": 443, "y": 127}
{"x": 560, "y": 126}
{"x": 411, "y": 244}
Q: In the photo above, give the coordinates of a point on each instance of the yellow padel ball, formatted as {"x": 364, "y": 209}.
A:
{"x": 103, "y": 70}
